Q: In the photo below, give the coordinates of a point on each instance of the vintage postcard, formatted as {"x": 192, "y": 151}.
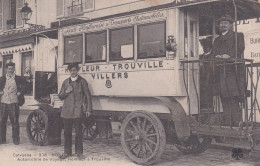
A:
{"x": 129, "y": 82}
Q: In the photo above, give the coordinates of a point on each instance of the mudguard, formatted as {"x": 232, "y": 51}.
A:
{"x": 46, "y": 107}
{"x": 180, "y": 118}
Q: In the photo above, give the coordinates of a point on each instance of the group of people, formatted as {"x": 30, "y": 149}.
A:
{"x": 77, "y": 104}
{"x": 77, "y": 98}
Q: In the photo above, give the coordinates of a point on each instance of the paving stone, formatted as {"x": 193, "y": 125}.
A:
{"x": 109, "y": 152}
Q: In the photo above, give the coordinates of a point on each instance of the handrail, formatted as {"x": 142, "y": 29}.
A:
{"x": 217, "y": 60}
{"x": 252, "y": 79}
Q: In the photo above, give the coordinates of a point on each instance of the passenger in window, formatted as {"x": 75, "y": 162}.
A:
{"x": 11, "y": 97}
{"x": 77, "y": 102}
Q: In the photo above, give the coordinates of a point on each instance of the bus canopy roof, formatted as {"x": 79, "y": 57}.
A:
{"x": 246, "y": 9}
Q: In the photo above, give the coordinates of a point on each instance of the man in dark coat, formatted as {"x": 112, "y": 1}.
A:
{"x": 77, "y": 102}
{"x": 11, "y": 92}
{"x": 230, "y": 78}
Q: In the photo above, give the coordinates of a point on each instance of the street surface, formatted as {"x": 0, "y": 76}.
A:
{"x": 108, "y": 153}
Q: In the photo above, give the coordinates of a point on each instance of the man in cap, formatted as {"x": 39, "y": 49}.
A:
{"x": 77, "y": 102}
{"x": 229, "y": 79}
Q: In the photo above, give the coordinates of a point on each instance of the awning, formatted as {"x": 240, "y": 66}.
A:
{"x": 11, "y": 50}
{"x": 51, "y": 33}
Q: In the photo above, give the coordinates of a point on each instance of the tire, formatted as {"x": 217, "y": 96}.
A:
{"x": 89, "y": 129}
{"x": 143, "y": 137}
{"x": 195, "y": 145}
{"x": 36, "y": 128}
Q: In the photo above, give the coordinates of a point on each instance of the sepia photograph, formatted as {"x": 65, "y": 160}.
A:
{"x": 130, "y": 82}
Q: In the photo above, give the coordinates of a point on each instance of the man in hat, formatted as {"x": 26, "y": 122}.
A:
{"x": 77, "y": 102}
{"x": 229, "y": 85}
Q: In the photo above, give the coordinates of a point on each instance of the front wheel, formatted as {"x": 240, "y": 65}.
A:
{"x": 143, "y": 137}
{"x": 37, "y": 125}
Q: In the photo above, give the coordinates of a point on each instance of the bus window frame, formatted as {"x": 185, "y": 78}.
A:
{"x": 64, "y": 52}
{"x": 85, "y": 47}
{"x": 110, "y": 43}
{"x": 165, "y": 32}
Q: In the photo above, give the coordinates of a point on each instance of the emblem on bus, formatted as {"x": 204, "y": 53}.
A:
{"x": 108, "y": 84}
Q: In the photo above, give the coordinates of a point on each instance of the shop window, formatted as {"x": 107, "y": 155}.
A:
{"x": 96, "y": 47}
{"x": 27, "y": 72}
{"x": 19, "y": 6}
{"x": 121, "y": 44}
{"x": 6, "y": 59}
{"x": 75, "y": 7}
{"x": 60, "y": 8}
{"x": 151, "y": 40}
{"x": 73, "y": 49}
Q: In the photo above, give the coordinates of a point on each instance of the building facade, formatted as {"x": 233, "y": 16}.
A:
{"x": 17, "y": 43}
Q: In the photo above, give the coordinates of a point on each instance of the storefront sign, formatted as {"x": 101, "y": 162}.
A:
{"x": 114, "y": 22}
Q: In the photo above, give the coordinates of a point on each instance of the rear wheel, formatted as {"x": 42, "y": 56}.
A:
{"x": 89, "y": 129}
{"x": 196, "y": 144}
{"x": 37, "y": 124}
{"x": 143, "y": 137}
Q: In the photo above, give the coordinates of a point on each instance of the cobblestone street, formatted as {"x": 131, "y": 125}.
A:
{"x": 108, "y": 152}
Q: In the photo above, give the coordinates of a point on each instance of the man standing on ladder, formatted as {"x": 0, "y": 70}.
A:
{"x": 230, "y": 83}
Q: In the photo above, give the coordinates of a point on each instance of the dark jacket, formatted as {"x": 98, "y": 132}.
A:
{"x": 73, "y": 101}
{"x": 225, "y": 44}
{"x": 230, "y": 81}
{"x": 20, "y": 87}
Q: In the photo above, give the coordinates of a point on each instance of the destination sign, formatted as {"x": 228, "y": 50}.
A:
{"x": 120, "y": 70}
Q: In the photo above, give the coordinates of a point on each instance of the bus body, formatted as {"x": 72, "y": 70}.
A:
{"x": 132, "y": 77}
{"x": 143, "y": 69}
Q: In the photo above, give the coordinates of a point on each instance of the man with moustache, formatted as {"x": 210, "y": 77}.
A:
{"x": 230, "y": 79}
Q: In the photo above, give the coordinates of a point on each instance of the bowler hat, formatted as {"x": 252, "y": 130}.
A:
{"x": 226, "y": 17}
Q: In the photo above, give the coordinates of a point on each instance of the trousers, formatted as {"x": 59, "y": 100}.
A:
{"x": 232, "y": 114}
{"x": 11, "y": 111}
{"x": 68, "y": 123}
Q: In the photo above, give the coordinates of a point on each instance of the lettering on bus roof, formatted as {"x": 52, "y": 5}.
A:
{"x": 113, "y": 22}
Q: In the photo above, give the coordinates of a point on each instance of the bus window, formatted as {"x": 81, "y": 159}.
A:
{"x": 193, "y": 38}
{"x": 96, "y": 47}
{"x": 121, "y": 44}
{"x": 205, "y": 35}
{"x": 151, "y": 40}
{"x": 73, "y": 49}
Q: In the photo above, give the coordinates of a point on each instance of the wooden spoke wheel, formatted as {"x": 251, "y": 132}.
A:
{"x": 37, "y": 123}
{"x": 143, "y": 137}
{"x": 194, "y": 145}
{"x": 89, "y": 130}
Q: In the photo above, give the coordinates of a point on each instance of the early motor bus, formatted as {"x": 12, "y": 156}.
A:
{"x": 144, "y": 70}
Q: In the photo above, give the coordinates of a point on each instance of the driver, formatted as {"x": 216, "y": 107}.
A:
{"x": 229, "y": 83}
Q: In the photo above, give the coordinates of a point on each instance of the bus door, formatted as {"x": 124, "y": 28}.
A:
{"x": 191, "y": 42}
